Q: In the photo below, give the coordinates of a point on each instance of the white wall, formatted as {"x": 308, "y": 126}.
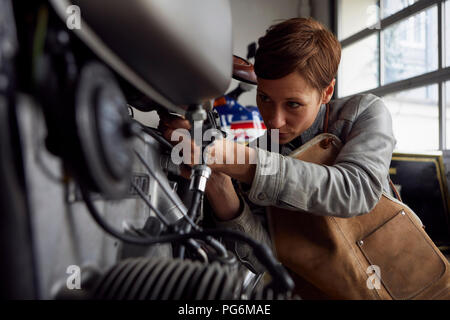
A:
{"x": 251, "y": 19}
{"x": 355, "y": 15}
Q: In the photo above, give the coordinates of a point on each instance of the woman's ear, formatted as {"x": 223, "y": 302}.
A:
{"x": 328, "y": 92}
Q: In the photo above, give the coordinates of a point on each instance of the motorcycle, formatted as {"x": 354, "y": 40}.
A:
{"x": 92, "y": 206}
{"x": 242, "y": 123}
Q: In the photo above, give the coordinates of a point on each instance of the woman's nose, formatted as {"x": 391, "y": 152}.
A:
{"x": 277, "y": 120}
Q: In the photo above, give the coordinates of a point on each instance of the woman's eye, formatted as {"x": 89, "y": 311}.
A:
{"x": 292, "y": 104}
{"x": 263, "y": 98}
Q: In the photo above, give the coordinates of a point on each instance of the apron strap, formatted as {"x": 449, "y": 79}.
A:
{"x": 325, "y": 122}
{"x": 395, "y": 191}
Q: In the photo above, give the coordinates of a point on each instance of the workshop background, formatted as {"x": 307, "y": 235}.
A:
{"x": 88, "y": 184}
{"x": 396, "y": 49}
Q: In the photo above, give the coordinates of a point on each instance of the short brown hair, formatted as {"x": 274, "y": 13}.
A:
{"x": 302, "y": 45}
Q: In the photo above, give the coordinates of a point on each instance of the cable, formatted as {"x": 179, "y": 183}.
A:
{"x": 221, "y": 250}
{"x": 217, "y": 246}
{"x": 154, "y": 134}
{"x": 201, "y": 209}
{"x": 214, "y": 243}
{"x": 193, "y": 244}
{"x": 192, "y": 214}
{"x": 196, "y": 200}
{"x": 195, "y": 203}
{"x": 261, "y": 251}
{"x": 130, "y": 108}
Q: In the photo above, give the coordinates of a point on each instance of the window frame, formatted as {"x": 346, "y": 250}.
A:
{"x": 439, "y": 76}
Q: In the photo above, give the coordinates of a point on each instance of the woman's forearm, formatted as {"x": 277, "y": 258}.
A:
{"x": 222, "y": 197}
{"x": 240, "y": 165}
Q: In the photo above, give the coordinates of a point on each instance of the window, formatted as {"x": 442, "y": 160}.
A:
{"x": 447, "y": 33}
{"x": 411, "y": 47}
{"x": 360, "y": 62}
{"x": 447, "y": 110}
{"x": 412, "y": 109}
{"x": 349, "y": 22}
{"x": 400, "y": 51}
{"x": 393, "y": 6}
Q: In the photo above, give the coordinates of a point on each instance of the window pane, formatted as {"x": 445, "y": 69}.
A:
{"x": 359, "y": 67}
{"x": 356, "y": 15}
{"x": 415, "y": 118}
{"x": 392, "y": 6}
{"x": 447, "y": 106}
{"x": 447, "y": 33}
{"x": 411, "y": 46}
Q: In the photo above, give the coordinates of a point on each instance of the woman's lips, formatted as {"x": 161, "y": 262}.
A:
{"x": 281, "y": 135}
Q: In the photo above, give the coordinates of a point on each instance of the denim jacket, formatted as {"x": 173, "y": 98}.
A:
{"x": 350, "y": 187}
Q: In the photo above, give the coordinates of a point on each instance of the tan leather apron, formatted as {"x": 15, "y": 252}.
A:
{"x": 384, "y": 254}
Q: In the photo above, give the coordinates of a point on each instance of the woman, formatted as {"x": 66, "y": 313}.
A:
{"x": 296, "y": 65}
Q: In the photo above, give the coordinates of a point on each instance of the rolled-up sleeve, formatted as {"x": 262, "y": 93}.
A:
{"x": 352, "y": 186}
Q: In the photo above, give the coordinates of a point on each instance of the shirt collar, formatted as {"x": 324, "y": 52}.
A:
{"x": 309, "y": 133}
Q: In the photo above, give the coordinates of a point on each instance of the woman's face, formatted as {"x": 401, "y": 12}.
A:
{"x": 289, "y": 104}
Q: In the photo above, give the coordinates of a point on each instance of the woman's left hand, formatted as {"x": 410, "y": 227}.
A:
{"x": 226, "y": 156}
